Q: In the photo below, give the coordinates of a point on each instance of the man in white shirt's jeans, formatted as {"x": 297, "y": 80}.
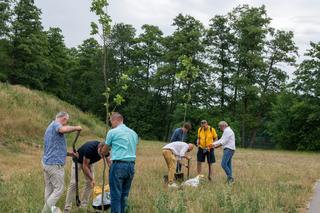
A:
{"x": 227, "y": 141}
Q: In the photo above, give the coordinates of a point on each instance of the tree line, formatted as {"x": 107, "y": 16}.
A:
{"x": 235, "y": 69}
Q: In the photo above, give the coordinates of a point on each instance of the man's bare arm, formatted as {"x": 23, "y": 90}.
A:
{"x": 67, "y": 129}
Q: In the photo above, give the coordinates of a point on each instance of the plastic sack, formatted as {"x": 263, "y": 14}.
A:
{"x": 194, "y": 182}
{"x": 97, "y": 196}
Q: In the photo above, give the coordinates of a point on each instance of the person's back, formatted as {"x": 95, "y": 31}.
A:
{"x": 89, "y": 150}
{"x": 123, "y": 143}
{"x": 55, "y": 148}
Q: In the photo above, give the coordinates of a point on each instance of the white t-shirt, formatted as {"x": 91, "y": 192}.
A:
{"x": 227, "y": 140}
{"x": 178, "y": 148}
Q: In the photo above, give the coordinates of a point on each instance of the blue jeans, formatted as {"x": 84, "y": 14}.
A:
{"x": 120, "y": 178}
{"x": 226, "y": 162}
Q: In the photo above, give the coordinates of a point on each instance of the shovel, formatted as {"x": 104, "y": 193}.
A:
{"x": 75, "y": 160}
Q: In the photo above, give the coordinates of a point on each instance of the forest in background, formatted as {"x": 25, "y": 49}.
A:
{"x": 235, "y": 70}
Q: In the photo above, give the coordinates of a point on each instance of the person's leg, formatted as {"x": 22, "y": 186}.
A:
{"x": 200, "y": 159}
{"x": 71, "y": 189}
{"x": 57, "y": 180}
{"x": 224, "y": 163}
{"x": 171, "y": 161}
{"x": 87, "y": 190}
{"x": 116, "y": 175}
{"x": 209, "y": 172}
{"x": 229, "y": 164}
{"x": 210, "y": 159}
{"x": 126, "y": 186}
{"x": 48, "y": 187}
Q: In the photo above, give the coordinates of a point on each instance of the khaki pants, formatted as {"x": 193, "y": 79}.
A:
{"x": 54, "y": 185}
{"x": 71, "y": 194}
{"x": 171, "y": 163}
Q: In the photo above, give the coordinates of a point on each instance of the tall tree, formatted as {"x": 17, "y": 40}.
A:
{"x": 308, "y": 74}
{"x": 58, "y": 63}
{"x": 219, "y": 47}
{"x": 99, "y": 7}
{"x": 5, "y": 44}
{"x": 250, "y": 25}
{"x": 30, "y": 46}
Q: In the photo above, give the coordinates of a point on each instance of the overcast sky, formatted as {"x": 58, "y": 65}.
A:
{"x": 74, "y": 16}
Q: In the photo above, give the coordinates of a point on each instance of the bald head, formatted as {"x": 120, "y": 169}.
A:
{"x": 190, "y": 147}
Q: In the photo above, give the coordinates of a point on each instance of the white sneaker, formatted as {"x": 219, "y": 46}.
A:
{"x": 55, "y": 209}
{"x": 173, "y": 185}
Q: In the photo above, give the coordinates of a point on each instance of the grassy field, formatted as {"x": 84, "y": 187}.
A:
{"x": 266, "y": 181}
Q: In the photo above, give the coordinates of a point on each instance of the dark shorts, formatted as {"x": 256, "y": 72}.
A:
{"x": 203, "y": 154}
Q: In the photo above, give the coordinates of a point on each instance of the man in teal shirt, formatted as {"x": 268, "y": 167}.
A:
{"x": 123, "y": 142}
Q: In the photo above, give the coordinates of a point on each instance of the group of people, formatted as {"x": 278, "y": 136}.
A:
{"x": 121, "y": 141}
{"x": 206, "y": 142}
{"x": 119, "y": 151}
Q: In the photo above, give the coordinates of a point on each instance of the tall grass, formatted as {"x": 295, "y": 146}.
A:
{"x": 25, "y": 114}
{"x": 266, "y": 181}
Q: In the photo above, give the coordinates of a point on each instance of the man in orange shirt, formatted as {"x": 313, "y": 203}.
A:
{"x": 206, "y": 136}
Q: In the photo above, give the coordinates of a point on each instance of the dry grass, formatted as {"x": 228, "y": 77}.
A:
{"x": 266, "y": 181}
{"x": 25, "y": 114}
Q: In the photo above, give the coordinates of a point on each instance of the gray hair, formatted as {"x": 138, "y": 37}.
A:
{"x": 116, "y": 115}
{"x": 223, "y": 123}
{"x": 62, "y": 114}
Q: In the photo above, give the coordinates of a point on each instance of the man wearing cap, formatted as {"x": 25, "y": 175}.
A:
{"x": 89, "y": 153}
{"x": 180, "y": 134}
{"x": 206, "y": 136}
{"x": 54, "y": 158}
{"x": 227, "y": 141}
{"x": 172, "y": 152}
{"x": 123, "y": 142}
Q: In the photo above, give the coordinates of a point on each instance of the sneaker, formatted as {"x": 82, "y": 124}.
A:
{"x": 55, "y": 209}
{"x": 209, "y": 178}
{"x": 230, "y": 181}
{"x": 173, "y": 185}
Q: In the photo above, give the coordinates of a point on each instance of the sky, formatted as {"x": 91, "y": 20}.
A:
{"x": 74, "y": 16}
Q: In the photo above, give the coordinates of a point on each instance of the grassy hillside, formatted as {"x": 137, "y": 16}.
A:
{"x": 25, "y": 114}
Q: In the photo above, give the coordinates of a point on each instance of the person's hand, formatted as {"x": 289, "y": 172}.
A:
{"x": 188, "y": 157}
{"x": 92, "y": 183}
{"x": 78, "y": 128}
{"x": 76, "y": 155}
{"x": 186, "y": 165}
{"x": 73, "y": 154}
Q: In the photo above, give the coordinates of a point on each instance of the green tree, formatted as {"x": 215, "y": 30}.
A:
{"x": 220, "y": 43}
{"x": 30, "y": 46}
{"x": 5, "y": 44}
{"x": 250, "y": 26}
{"x": 58, "y": 63}
{"x": 99, "y": 7}
{"x": 280, "y": 50}
{"x": 308, "y": 74}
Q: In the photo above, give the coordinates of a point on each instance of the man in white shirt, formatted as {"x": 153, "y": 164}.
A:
{"x": 227, "y": 141}
{"x": 172, "y": 151}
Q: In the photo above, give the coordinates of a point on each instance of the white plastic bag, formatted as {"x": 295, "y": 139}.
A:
{"x": 106, "y": 200}
{"x": 194, "y": 182}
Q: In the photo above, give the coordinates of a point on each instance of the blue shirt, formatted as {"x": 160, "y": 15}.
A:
{"x": 123, "y": 143}
{"x": 178, "y": 135}
{"x": 55, "y": 146}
